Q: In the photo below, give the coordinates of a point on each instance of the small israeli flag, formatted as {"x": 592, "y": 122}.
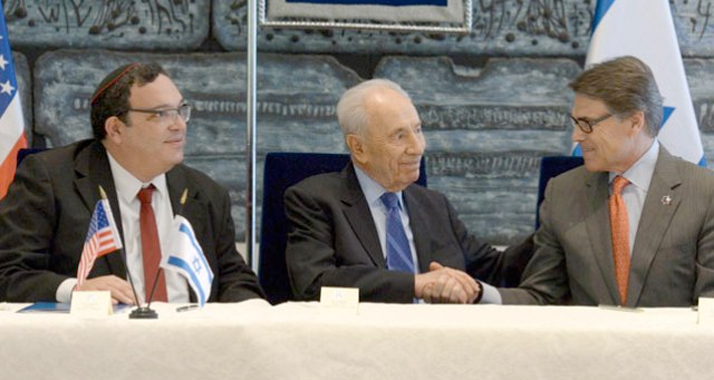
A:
{"x": 185, "y": 257}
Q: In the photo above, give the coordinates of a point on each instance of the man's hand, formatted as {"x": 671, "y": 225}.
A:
{"x": 445, "y": 285}
{"x": 119, "y": 288}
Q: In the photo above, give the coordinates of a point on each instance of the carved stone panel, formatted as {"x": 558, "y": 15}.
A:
{"x": 700, "y": 76}
{"x": 500, "y": 27}
{"x": 486, "y": 130}
{"x": 109, "y": 24}
{"x": 295, "y": 108}
{"x": 24, "y": 86}
{"x": 522, "y": 27}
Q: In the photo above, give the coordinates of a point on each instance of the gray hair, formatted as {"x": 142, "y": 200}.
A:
{"x": 351, "y": 114}
{"x": 625, "y": 85}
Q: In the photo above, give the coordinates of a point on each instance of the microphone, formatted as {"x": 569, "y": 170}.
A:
{"x": 142, "y": 312}
{"x": 145, "y": 312}
{"x": 153, "y": 287}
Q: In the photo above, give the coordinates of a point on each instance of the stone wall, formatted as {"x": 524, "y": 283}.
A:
{"x": 493, "y": 102}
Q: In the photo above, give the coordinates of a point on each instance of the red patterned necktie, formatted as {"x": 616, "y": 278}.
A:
{"x": 150, "y": 248}
{"x": 620, "y": 230}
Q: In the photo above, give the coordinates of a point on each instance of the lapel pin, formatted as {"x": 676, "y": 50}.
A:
{"x": 666, "y": 200}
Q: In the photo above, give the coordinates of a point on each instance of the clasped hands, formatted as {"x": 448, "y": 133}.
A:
{"x": 445, "y": 285}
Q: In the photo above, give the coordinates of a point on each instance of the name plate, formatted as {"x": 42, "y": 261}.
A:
{"x": 705, "y": 311}
{"x": 342, "y": 299}
{"x": 91, "y": 303}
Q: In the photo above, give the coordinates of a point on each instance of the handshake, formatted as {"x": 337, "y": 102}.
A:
{"x": 446, "y": 285}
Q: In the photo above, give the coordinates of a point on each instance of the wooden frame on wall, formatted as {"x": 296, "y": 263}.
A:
{"x": 437, "y": 16}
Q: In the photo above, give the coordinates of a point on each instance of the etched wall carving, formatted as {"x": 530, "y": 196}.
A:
{"x": 24, "y": 86}
{"x": 500, "y": 27}
{"x": 108, "y": 24}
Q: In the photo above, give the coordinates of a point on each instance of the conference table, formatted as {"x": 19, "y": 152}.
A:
{"x": 253, "y": 340}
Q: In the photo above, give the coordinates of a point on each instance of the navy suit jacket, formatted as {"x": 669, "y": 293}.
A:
{"x": 332, "y": 241}
{"x": 45, "y": 216}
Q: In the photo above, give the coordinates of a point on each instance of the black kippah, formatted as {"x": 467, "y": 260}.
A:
{"x": 111, "y": 79}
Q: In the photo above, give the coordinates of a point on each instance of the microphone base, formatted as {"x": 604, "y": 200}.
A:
{"x": 143, "y": 312}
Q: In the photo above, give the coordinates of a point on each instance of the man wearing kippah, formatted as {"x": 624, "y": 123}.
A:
{"x": 139, "y": 121}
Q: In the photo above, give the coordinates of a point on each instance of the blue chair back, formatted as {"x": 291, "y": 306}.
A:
{"x": 281, "y": 171}
{"x": 24, "y": 152}
{"x": 550, "y": 167}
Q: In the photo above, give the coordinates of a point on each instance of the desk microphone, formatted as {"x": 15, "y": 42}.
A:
{"x": 145, "y": 312}
{"x": 142, "y": 312}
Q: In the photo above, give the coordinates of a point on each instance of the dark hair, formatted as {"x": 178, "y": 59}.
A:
{"x": 111, "y": 98}
{"x": 625, "y": 85}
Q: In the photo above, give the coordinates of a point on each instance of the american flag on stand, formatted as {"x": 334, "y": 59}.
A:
{"x": 102, "y": 238}
{"x": 12, "y": 125}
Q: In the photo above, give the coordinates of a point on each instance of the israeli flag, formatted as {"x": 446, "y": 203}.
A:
{"x": 644, "y": 29}
{"x": 185, "y": 257}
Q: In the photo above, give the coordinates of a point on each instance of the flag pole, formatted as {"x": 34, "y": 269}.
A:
{"x": 251, "y": 152}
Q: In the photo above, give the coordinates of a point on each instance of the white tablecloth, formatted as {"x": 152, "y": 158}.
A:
{"x": 253, "y": 340}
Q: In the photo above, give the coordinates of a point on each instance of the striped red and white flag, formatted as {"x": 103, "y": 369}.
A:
{"x": 102, "y": 238}
{"x": 12, "y": 125}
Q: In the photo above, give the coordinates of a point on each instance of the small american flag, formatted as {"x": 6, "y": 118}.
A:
{"x": 102, "y": 238}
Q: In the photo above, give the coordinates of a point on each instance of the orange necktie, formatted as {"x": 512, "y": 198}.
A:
{"x": 150, "y": 248}
{"x": 620, "y": 230}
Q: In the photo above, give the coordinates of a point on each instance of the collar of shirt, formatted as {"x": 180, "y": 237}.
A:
{"x": 640, "y": 173}
{"x": 128, "y": 186}
{"x": 373, "y": 191}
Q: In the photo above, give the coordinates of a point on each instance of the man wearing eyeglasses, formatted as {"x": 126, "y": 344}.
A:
{"x": 634, "y": 227}
{"x": 139, "y": 121}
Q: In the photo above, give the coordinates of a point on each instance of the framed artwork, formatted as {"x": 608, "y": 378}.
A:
{"x": 447, "y": 16}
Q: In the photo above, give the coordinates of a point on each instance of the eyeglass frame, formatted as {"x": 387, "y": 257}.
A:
{"x": 587, "y": 125}
{"x": 164, "y": 113}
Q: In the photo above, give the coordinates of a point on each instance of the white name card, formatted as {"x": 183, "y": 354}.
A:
{"x": 705, "y": 311}
{"x": 344, "y": 299}
{"x": 91, "y": 303}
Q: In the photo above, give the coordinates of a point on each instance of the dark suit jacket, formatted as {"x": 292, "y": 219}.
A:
{"x": 332, "y": 241}
{"x": 673, "y": 256}
{"x": 45, "y": 216}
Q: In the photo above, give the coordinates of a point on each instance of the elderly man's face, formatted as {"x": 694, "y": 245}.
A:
{"x": 393, "y": 143}
{"x": 611, "y": 146}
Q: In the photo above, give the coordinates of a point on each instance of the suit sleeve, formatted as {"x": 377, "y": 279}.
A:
{"x": 27, "y": 224}
{"x": 236, "y": 281}
{"x": 483, "y": 261}
{"x": 545, "y": 280}
{"x": 704, "y": 286}
{"x": 317, "y": 257}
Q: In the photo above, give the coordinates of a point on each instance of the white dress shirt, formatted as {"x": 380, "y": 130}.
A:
{"x": 634, "y": 194}
{"x": 127, "y": 188}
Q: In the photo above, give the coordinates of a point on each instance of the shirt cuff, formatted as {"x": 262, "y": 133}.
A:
{"x": 490, "y": 295}
{"x": 64, "y": 291}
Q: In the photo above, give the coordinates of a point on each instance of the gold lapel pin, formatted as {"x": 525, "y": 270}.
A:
{"x": 666, "y": 200}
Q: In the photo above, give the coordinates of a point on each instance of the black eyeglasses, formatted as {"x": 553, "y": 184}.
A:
{"x": 586, "y": 125}
{"x": 167, "y": 116}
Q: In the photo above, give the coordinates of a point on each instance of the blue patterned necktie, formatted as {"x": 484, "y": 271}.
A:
{"x": 399, "y": 256}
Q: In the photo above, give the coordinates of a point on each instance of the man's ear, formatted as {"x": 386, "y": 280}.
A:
{"x": 638, "y": 122}
{"x": 357, "y": 148}
{"x": 114, "y": 129}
